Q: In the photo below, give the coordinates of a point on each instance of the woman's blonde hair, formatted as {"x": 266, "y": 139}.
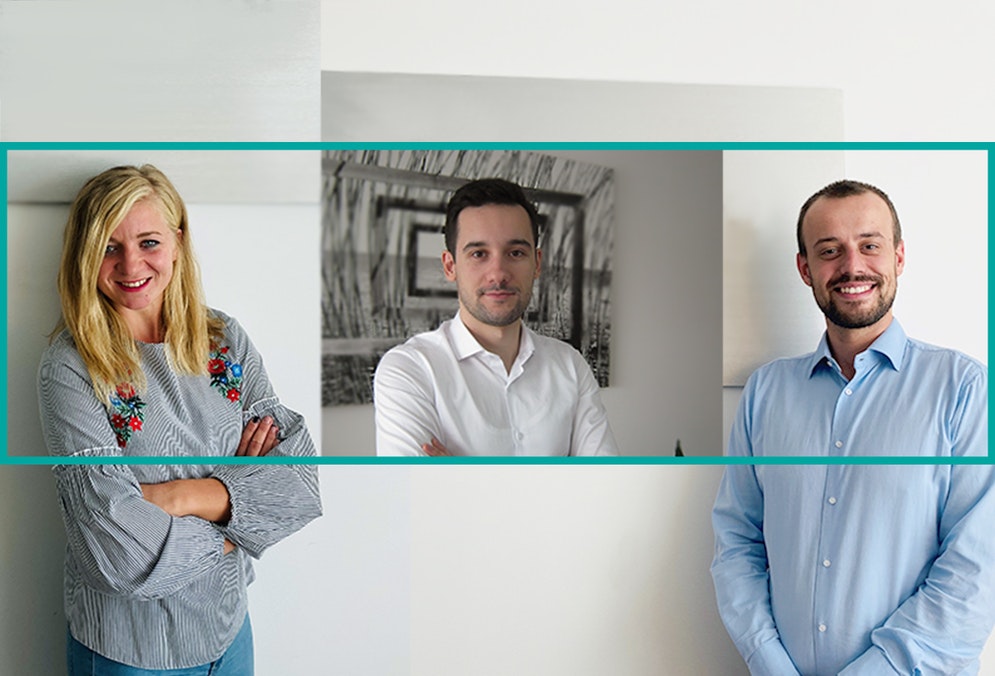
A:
{"x": 102, "y": 338}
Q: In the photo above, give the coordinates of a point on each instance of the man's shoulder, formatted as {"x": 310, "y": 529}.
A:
{"x": 418, "y": 347}
{"x": 551, "y": 343}
{"x": 928, "y": 360}
{"x": 938, "y": 353}
{"x": 424, "y": 341}
{"x": 783, "y": 368}
{"x": 555, "y": 348}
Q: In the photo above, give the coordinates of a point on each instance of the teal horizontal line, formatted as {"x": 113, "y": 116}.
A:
{"x": 370, "y": 460}
{"x": 530, "y": 145}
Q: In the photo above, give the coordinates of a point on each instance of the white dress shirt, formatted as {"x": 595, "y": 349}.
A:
{"x": 443, "y": 384}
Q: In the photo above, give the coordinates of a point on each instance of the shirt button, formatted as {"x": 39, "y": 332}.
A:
{"x": 832, "y": 501}
{"x": 848, "y": 391}
{"x": 839, "y": 444}
{"x": 822, "y": 627}
{"x": 826, "y": 563}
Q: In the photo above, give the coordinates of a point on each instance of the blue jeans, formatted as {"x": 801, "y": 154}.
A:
{"x": 236, "y": 661}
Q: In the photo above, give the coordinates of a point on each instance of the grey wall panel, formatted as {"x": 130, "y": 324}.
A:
{"x": 399, "y": 107}
{"x": 126, "y": 70}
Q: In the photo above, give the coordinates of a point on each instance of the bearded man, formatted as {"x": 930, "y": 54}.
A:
{"x": 857, "y": 568}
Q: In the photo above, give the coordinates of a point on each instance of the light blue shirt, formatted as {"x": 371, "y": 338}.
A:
{"x": 906, "y": 398}
{"x": 859, "y": 569}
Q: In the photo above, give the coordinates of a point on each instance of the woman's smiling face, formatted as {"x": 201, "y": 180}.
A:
{"x": 138, "y": 263}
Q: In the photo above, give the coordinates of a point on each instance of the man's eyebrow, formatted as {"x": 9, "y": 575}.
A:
{"x": 510, "y": 242}
{"x": 863, "y": 235}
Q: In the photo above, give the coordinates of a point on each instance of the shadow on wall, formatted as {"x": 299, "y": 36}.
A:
{"x": 33, "y": 624}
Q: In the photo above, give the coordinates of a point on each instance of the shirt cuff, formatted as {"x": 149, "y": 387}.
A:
{"x": 872, "y": 663}
{"x": 771, "y": 659}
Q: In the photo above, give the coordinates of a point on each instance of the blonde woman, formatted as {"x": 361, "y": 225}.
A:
{"x": 159, "y": 555}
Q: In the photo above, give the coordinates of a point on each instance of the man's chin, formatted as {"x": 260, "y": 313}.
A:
{"x": 497, "y": 320}
{"x": 501, "y": 322}
{"x": 853, "y": 320}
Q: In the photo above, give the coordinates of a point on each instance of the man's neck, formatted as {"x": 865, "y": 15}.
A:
{"x": 846, "y": 344}
{"x": 500, "y": 340}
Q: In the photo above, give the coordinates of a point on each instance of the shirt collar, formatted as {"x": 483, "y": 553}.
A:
{"x": 890, "y": 344}
{"x": 465, "y": 345}
{"x": 463, "y": 342}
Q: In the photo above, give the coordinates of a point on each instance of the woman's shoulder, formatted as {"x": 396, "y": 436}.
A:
{"x": 234, "y": 334}
{"x": 61, "y": 353}
{"x": 62, "y": 348}
{"x": 218, "y": 314}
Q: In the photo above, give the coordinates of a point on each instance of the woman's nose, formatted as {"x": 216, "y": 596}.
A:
{"x": 130, "y": 260}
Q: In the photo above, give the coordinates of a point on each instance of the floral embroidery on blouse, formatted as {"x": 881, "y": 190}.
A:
{"x": 225, "y": 375}
{"x": 126, "y": 415}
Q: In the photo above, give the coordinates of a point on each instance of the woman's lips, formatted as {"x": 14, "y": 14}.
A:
{"x": 132, "y": 286}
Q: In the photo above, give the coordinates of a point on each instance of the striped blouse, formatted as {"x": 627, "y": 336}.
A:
{"x": 142, "y": 587}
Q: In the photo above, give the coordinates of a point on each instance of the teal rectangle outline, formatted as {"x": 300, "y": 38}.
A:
{"x": 517, "y": 460}
{"x": 530, "y": 145}
{"x": 5, "y": 459}
{"x": 3, "y": 303}
{"x": 991, "y": 221}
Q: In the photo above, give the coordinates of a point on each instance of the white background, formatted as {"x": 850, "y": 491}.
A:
{"x": 908, "y": 72}
{"x": 414, "y": 570}
{"x": 185, "y": 70}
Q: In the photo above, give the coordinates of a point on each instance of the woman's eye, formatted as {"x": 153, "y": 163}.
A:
{"x": 109, "y": 249}
{"x": 150, "y": 243}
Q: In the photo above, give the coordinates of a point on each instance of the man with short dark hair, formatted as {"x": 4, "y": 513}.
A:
{"x": 483, "y": 383}
{"x": 858, "y": 569}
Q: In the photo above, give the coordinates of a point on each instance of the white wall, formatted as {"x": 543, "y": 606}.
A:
{"x": 119, "y": 70}
{"x": 942, "y": 201}
{"x": 907, "y": 72}
{"x": 565, "y": 570}
{"x": 766, "y": 309}
{"x": 400, "y": 107}
{"x": 666, "y": 309}
{"x": 32, "y": 625}
{"x": 440, "y": 570}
